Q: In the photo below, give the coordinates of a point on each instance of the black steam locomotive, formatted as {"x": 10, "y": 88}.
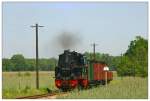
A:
{"x": 74, "y": 70}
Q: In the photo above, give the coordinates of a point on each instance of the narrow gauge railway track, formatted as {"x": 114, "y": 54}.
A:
{"x": 42, "y": 95}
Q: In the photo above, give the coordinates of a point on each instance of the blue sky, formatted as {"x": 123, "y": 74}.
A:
{"x": 111, "y": 25}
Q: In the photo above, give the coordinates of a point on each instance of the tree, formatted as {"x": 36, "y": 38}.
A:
{"x": 125, "y": 67}
{"x": 18, "y": 62}
{"x": 30, "y": 64}
{"x": 53, "y": 63}
{"x": 7, "y": 65}
{"x": 137, "y": 56}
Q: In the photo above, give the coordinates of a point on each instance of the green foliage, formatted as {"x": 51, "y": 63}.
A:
{"x": 19, "y": 63}
{"x": 135, "y": 61}
{"x": 125, "y": 67}
{"x": 7, "y": 65}
{"x": 47, "y": 64}
{"x": 138, "y": 47}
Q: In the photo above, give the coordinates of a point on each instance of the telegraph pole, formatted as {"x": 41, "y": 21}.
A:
{"x": 36, "y": 26}
{"x": 94, "y": 49}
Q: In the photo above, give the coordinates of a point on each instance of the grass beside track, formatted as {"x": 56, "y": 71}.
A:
{"x": 119, "y": 88}
{"x": 23, "y": 84}
{"x": 127, "y": 87}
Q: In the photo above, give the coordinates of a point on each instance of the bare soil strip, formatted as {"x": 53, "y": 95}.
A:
{"x": 43, "y": 96}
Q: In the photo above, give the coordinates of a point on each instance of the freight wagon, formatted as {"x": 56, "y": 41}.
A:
{"x": 96, "y": 73}
{"x": 74, "y": 70}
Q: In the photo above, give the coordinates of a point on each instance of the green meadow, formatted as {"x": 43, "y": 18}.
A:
{"x": 16, "y": 84}
{"x": 119, "y": 88}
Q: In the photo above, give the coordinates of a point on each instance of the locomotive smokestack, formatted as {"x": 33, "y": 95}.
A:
{"x": 66, "y": 51}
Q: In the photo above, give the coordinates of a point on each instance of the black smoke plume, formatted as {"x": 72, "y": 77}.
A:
{"x": 68, "y": 40}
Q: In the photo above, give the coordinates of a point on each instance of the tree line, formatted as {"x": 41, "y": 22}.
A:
{"x": 134, "y": 62}
{"x": 19, "y": 63}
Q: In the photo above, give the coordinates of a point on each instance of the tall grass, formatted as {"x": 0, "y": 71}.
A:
{"x": 125, "y": 88}
{"x": 14, "y": 85}
{"x": 119, "y": 88}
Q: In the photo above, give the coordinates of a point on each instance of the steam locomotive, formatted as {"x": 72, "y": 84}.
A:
{"x": 74, "y": 70}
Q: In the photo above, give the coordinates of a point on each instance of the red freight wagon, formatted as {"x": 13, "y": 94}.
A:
{"x": 99, "y": 73}
{"x": 96, "y": 71}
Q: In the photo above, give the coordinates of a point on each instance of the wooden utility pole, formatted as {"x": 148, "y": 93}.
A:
{"x": 94, "y": 50}
{"x": 36, "y": 26}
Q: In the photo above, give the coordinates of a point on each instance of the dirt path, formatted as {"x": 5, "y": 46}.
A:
{"x": 53, "y": 97}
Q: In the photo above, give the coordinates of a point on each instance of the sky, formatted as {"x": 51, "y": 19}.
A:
{"x": 110, "y": 25}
